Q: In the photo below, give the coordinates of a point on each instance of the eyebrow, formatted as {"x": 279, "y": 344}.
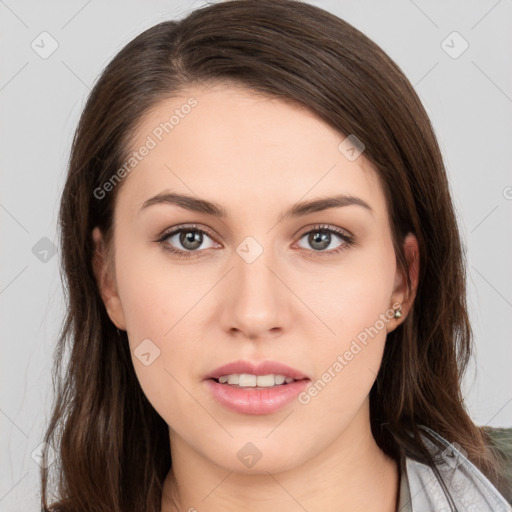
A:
{"x": 194, "y": 204}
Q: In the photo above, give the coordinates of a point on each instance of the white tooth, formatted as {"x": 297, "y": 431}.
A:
{"x": 265, "y": 381}
{"x": 279, "y": 379}
{"x": 233, "y": 379}
{"x": 246, "y": 380}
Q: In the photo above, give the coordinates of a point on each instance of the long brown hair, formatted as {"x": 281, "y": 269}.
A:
{"x": 113, "y": 447}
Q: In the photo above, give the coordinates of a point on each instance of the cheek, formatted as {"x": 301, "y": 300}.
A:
{"x": 154, "y": 293}
{"x": 356, "y": 306}
{"x": 351, "y": 296}
{"x": 158, "y": 304}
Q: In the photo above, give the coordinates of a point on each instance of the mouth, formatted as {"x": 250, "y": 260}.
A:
{"x": 250, "y": 388}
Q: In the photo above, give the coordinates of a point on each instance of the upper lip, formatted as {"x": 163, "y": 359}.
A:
{"x": 264, "y": 368}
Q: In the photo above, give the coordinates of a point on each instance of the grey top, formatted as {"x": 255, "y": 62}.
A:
{"x": 404, "y": 504}
{"x": 468, "y": 487}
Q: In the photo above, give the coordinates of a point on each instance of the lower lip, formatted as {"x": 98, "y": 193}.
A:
{"x": 255, "y": 401}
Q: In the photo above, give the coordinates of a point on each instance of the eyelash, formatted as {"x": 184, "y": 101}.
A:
{"x": 347, "y": 241}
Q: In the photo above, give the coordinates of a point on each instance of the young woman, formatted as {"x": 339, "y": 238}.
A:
{"x": 265, "y": 282}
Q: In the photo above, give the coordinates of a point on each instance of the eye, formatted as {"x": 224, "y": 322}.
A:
{"x": 321, "y": 237}
{"x": 188, "y": 239}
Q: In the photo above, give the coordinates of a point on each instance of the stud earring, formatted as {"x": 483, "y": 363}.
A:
{"x": 398, "y": 312}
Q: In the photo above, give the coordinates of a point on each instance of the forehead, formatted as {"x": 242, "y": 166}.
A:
{"x": 232, "y": 143}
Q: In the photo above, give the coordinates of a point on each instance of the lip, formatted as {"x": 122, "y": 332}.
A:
{"x": 263, "y": 368}
{"x": 252, "y": 400}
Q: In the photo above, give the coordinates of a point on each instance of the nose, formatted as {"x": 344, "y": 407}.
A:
{"x": 257, "y": 301}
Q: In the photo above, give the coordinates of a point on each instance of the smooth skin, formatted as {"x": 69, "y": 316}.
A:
{"x": 296, "y": 303}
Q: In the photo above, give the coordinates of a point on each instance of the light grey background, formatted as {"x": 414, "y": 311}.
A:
{"x": 469, "y": 100}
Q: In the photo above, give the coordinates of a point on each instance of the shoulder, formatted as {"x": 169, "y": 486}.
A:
{"x": 500, "y": 440}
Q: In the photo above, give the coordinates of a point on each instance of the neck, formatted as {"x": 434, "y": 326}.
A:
{"x": 351, "y": 474}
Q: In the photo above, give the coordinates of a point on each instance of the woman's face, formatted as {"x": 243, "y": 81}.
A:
{"x": 258, "y": 284}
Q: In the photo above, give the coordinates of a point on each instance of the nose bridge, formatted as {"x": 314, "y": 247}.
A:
{"x": 257, "y": 302}
{"x": 253, "y": 259}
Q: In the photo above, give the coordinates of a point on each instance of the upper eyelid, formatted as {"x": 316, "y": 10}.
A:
{"x": 167, "y": 233}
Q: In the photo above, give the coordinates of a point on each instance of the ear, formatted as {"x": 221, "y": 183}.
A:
{"x": 401, "y": 294}
{"x": 106, "y": 281}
